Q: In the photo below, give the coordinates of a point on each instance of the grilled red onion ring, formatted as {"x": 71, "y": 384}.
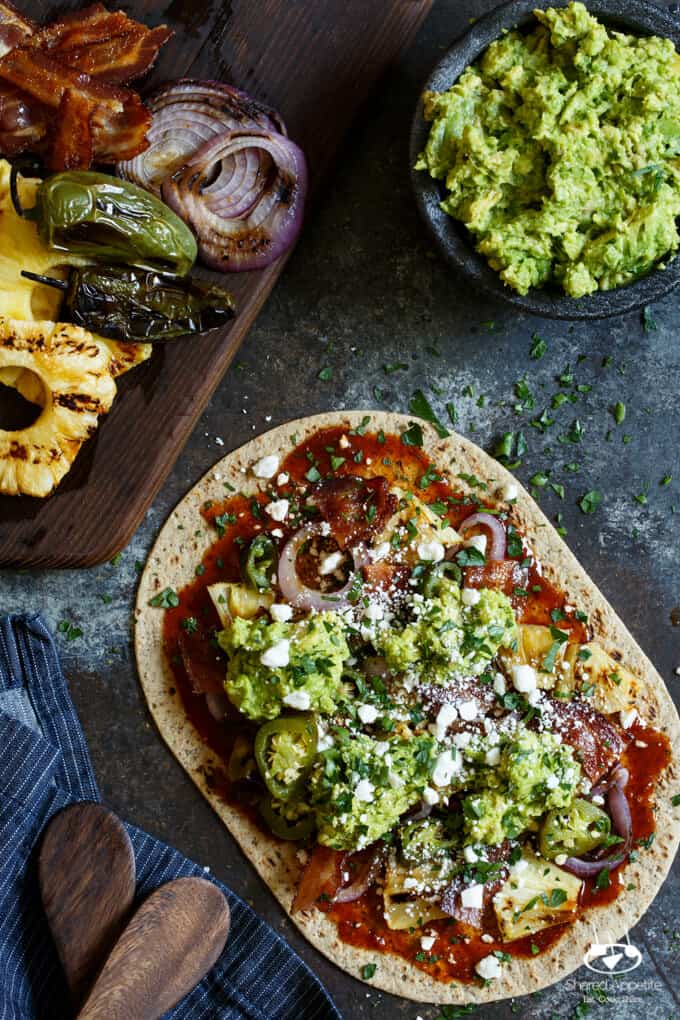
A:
{"x": 368, "y": 872}
{"x": 185, "y": 115}
{"x": 292, "y": 588}
{"x": 622, "y": 822}
{"x": 243, "y": 194}
{"x": 497, "y": 546}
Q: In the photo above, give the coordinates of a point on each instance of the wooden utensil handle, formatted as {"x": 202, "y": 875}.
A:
{"x": 171, "y": 942}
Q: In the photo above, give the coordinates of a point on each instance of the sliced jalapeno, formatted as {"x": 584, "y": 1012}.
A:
{"x": 284, "y": 751}
{"x": 258, "y": 562}
{"x": 436, "y": 573}
{"x": 286, "y": 828}
{"x": 574, "y": 830}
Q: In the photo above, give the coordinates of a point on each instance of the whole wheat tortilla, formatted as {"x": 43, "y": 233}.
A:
{"x": 172, "y": 562}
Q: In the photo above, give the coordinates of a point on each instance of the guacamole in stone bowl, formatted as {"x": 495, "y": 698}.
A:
{"x": 558, "y": 150}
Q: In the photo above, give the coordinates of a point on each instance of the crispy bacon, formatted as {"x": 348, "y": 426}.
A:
{"x": 598, "y": 743}
{"x": 88, "y": 54}
{"x": 505, "y": 575}
{"x": 355, "y": 508}
{"x": 72, "y": 145}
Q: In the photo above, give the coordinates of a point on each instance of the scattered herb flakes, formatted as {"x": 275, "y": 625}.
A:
{"x": 618, "y": 410}
{"x": 326, "y": 374}
{"x": 590, "y": 501}
{"x": 488, "y": 324}
{"x": 666, "y": 480}
{"x": 313, "y": 475}
{"x": 534, "y": 949}
{"x": 539, "y": 479}
{"x": 394, "y": 366}
{"x": 452, "y": 413}
{"x": 337, "y": 462}
{"x": 70, "y": 631}
{"x": 573, "y": 466}
{"x": 576, "y": 431}
{"x": 115, "y": 560}
{"x": 543, "y": 421}
{"x": 558, "y": 489}
{"x": 607, "y": 361}
{"x": 603, "y": 880}
{"x": 379, "y": 393}
{"x": 538, "y": 347}
{"x": 641, "y": 496}
{"x": 510, "y": 449}
{"x": 649, "y": 323}
{"x": 626, "y": 439}
{"x": 468, "y": 391}
{"x": 368, "y": 970}
{"x": 413, "y": 436}
{"x": 106, "y": 599}
{"x": 675, "y": 800}
{"x": 166, "y": 599}
{"x": 420, "y": 406}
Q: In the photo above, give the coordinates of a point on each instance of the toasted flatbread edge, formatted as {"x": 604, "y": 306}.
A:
{"x": 172, "y": 562}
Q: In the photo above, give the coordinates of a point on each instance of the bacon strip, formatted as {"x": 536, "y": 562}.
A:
{"x": 14, "y": 27}
{"x": 597, "y": 742}
{"x": 72, "y": 146}
{"x": 23, "y": 121}
{"x": 355, "y": 508}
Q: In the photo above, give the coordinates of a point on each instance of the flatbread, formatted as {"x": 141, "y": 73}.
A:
{"x": 172, "y": 563}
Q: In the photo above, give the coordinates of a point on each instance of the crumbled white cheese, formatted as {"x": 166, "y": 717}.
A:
{"x": 468, "y": 710}
{"x": 462, "y": 739}
{"x": 381, "y": 747}
{"x": 278, "y": 509}
{"x": 374, "y": 612}
{"x": 395, "y": 780}
{"x": 561, "y": 859}
{"x": 598, "y": 799}
{"x": 628, "y": 717}
{"x": 492, "y": 756}
{"x": 330, "y": 563}
{"x": 524, "y": 678}
{"x": 445, "y": 716}
{"x": 410, "y": 883}
{"x": 486, "y": 937}
{"x": 552, "y": 781}
{"x": 444, "y": 769}
{"x": 364, "y": 790}
{"x": 277, "y": 655}
{"x": 430, "y": 796}
{"x": 426, "y": 943}
{"x": 325, "y": 528}
{"x": 367, "y": 713}
{"x": 380, "y": 552}
{"x": 534, "y": 697}
{"x": 473, "y": 896}
{"x": 281, "y": 612}
{"x": 325, "y": 742}
{"x": 477, "y": 542}
{"x": 510, "y": 492}
{"x": 344, "y": 443}
{"x": 432, "y": 551}
{"x": 267, "y": 466}
{"x": 499, "y": 683}
{"x": 282, "y": 479}
{"x": 470, "y": 854}
{"x": 297, "y": 699}
{"x": 470, "y": 596}
{"x": 276, "y": 533}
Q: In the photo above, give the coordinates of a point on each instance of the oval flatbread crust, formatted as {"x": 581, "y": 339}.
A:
{"x": 172, "y": 563}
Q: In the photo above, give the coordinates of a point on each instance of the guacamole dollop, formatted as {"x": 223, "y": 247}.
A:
{"x": 447, "y": 638}
{"x": 302, "y": 671}
{"x": 560, "y": 152}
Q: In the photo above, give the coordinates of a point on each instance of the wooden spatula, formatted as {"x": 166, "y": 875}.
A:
{"x": 86, "y": 868}
{"x": 170, "y": 944}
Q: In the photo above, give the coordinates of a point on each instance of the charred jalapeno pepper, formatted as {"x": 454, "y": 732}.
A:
{"x": 138, "y": 305}
{"x": 435, "y": 573}
{"x": 574, "y": 830}
{"x": 97, "y": 216}
{"x": 258, "y": 562}
{"x": 286, "y": 828}
{"x": 284, "y": 751}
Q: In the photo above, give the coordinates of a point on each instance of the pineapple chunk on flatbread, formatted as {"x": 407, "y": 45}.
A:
{"x": 74, "y": 372}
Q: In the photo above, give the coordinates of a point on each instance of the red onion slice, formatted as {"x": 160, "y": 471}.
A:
{"x": 622, "y": 822}
{"x": 250, "y": 223}
{"x": 184, "y": 116}
{"x": 497, "y": 546}
{"x": 293, "y": 590}
{"x": 365, "y": 877}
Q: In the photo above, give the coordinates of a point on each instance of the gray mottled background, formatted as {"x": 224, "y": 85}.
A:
{"x": 365, "y": 290}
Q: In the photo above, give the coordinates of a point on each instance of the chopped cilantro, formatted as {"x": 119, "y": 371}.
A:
{"x": 69, "y": 630}
{"x": 368, "y": 970}
{"x": 395, "y": 366}
{"x": 619, "y": 412}
{"x": 166, "y": 599}
{"x": 413, "y": 436}
{"x": 602, "y": 881}
{"x": 538, "y": 347}
{"x": 590, "y": 501}
{"x": 420, "y": 406}
{"x": 313, "y": 475}
{"x": 648, "y": 320}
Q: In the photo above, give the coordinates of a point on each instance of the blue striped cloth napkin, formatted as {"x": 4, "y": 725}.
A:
{"x": 45, "y": 765}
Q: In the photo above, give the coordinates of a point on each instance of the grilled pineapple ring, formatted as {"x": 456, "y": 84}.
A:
{"x": 76, "y": 374}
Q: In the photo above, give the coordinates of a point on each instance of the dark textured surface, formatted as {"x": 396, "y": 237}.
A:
{"x": 366, "y": 289}
{"x": 635, "y": 16}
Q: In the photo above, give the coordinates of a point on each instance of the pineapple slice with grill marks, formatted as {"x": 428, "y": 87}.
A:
{"x": 74, "y": 370}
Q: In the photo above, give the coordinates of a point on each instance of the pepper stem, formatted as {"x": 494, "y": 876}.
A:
{"x": 49, "y": 281}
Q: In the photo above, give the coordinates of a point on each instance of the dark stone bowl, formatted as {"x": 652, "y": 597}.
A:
{"x": 637, "y": 17}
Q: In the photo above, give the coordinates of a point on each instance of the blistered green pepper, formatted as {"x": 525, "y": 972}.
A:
{"x": 97, "y": 216}
{"x": 435, "y": 573}
{"x": 138, "y": 305}
{"x": 284, "y": 751}
{"x": 574, "y": 830}
{"x": 285, "y": 828}
{"x": 258, "y": 562}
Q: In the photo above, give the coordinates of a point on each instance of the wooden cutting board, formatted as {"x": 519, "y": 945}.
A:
{"x": 315, "y": 61}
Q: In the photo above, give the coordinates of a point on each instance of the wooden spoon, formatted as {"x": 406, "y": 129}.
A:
{"x": 170, "y": 944}
{"x": 86, "y": 868}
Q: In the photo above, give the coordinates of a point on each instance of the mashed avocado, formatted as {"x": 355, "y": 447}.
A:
{"x": 535, "y": 774}
{"x": 274, "y": 666}
{"x": 446, "y": 637}
{"x": 560, "y": 152}
{"x": 361, "y": 786}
